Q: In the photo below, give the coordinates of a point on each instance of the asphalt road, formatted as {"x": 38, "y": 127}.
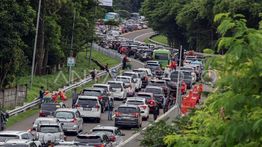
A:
{"x": 27, "y": 123}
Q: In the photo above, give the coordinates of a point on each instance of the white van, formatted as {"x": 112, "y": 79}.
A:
{"x": 89, "y": 107}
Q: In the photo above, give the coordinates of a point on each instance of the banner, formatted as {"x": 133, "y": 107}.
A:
{"x": 106, "y": 3}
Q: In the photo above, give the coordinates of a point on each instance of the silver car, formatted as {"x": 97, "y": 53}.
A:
{"x": 71, "y": 119}
{"x": 49, "y": 133}
{"x": 115, "y": 135}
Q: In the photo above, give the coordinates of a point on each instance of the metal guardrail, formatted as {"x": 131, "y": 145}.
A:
{"x": 67, "y": 88}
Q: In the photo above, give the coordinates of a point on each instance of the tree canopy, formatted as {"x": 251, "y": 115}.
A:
{"x": 190, "y": 22}
{"x": 17, "y": 31}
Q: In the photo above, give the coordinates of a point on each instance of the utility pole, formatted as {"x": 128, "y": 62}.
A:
{"x": 71, "y": 47}
{"x": 35, "y": 43}
{"x": 92, "y": 44}
{"x": 178, "y": 92}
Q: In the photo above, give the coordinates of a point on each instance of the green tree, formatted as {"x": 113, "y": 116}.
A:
{"x": 232, "y": 114}
{"x": 16, "y": 22}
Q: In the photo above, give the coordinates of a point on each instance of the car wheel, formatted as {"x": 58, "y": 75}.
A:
{"x": 98, "y": 120}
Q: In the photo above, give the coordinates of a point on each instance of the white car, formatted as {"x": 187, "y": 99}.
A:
{"x": 8, "y": 135}
{"x": 135, "y": 76}
{"x": 89, "y": 107}
{"x": 114, "y": 134}
{"x": 50, "y": 132}
{"x": 71, "y": 119}
{"x": 129, "y": 84}
{"x": 21, "y": 143}
{"x": 40, "y": 120}
{"x": 117, "y": 89}
{"x": 141, "y": 102}
{"x": 147, "y": 70}
{"x": 104, "y": 86}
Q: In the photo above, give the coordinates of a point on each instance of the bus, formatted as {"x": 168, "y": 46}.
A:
{"x": 163, "y": 56}
{"x": 112, "y": 16}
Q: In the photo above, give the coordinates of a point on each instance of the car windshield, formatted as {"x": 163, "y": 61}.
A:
{"x": 134, "y": 102}
{"x": 87, "y": 102}
{"x": 50, "y": 107}
{"x": 153, "y": 90}
{"x": 161, "y": 56}
{"x": 130, "y": 75}
{"x": 4, "y": 138}
{"x": 144, "y": 96}
{"x": 42, "y": 121}
{"x": 127, "y": 110}
{"x": 115, "y": 85}
{"x": 191, "y": 58}
{"x": 49, "y": 129}
{"x": 92, "y": 93}
{"x": 125, "y": 80}
{"x": 88, "y": 139}
{"x": 158, "y": 83}
{"x": 100, "y": 86}
{"x": 64, "y": 115}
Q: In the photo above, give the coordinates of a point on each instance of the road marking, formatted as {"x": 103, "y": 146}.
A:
{"x": 138, "y": 133}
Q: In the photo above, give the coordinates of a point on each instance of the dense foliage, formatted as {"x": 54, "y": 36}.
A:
{"x": 17, "y": 29}
{"x": 127, "y": 5}
{"x": 190, "y": 22}
{"x": 232, "y": 115}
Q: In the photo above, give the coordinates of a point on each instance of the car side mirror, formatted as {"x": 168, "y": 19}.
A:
{"x": 124, "y": 101}
{"x": 142, "y": 111}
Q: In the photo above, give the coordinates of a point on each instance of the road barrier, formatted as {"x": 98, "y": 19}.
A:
{"x": 70, "y": 87}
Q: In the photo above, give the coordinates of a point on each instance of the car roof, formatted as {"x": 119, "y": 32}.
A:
{"x": 17, "y": 141}
{"x": 105, "y": 127}
{"x": 106, "y": 85}
{"x": 127, "y": 77}
{"x": 87, "y": 97}
{"x": 145, "y": 93}
{"x": 120, "y": 82}
{"x": 135, "y": 98}
{"x": 67, "y": 109}
{"x": 155, "y": 87}
{"x": 46, "y": 118}
{"x": 49, "y": 124}
{"x": 144, "y": 69}
{"x": 10, "y": 132}
{"x": 130, "y": 72}
{"x": 157, "y": 80}
{"x": 94, "y": 89}
{"x": 128, "y": 105}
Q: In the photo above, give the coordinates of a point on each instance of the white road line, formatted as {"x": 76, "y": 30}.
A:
{"x": 138, "y": 133}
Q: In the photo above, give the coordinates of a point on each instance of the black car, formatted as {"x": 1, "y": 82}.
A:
{"x": 48, "y": 109}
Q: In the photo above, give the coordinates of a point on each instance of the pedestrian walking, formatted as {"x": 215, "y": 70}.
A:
{"x": 110, "y": 109}
{"x": 124, "y": 62}
{"x": 41, "y": 95}
{"x": 74, "y": 97}
{"x": 107, "y": 70}
{"x": 156, "y": 111}
{"x": 93, "y": 74}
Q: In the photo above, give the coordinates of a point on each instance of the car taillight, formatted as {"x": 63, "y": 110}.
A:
{"x": 99, "y": 145}
{"x": 113, "y": 138}
{"x": 41, "y": 114}
{"x": 135, "y": 114}
{"x": 100, "y": 98}
{"x": 77, "y": 105}
{"x": 97, "y": 107}
{"x": 118, "y": 114}
{"x": 74, "y": 120}
{"x": 146, "y": 78}
{"x": 143, "y": 107}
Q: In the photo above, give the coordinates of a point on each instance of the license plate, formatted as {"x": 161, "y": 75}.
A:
{"x": 87, "y": 109}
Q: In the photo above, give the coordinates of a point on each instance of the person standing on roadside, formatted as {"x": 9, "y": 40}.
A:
{"x": 156, "y": 111}
{"x": 110, "y": 109}
{"x": 124, "y": 61}
{"x": 74, "y": 97}
{"x": 41, "y": 95}
{"x": 93, "y": 74}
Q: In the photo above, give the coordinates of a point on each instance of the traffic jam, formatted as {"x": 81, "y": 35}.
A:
{"x": 128, "y": 100}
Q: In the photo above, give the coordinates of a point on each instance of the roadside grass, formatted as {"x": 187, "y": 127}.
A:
{"x": 59, "y": 79}
{"x": 161, "y": 39}
{"x": 147, "y": 41}
{"x": 17, "y": 118}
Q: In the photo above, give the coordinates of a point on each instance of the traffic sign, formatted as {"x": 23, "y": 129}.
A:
{"x": 71, "y": 61}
